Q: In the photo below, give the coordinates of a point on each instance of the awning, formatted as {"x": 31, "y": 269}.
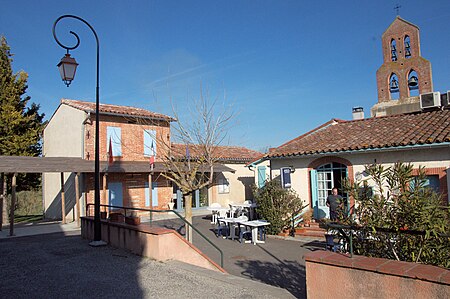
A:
{"x": 23, "y": 164}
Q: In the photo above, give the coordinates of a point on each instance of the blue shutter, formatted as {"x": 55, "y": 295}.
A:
{"x": 115, "y": 194}
{"x": 147, "y": 195}
{"x": 154, "y": 194}
{"x": 149, "y": 141}
{"x": 261, "y": 176}
{"x": 314, "y": 195}
{"x": 115, "y": 133}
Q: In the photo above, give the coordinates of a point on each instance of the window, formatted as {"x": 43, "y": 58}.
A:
{"x": 149, "y": 143}
{"x": 285, "y": 177}
{"x": 224, "y": 186}
{"x": 114, "y": 134}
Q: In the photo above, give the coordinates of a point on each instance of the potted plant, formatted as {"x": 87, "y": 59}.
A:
{"x": 307, "y": 217}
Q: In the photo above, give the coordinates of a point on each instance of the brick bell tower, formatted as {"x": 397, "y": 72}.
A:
{"x": 404, "y": 74}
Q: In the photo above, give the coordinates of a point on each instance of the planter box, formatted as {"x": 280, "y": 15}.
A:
{"x": 133, "y": 220}
{"x": 116, "y": 217}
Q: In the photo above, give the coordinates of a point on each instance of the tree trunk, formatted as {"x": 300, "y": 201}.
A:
{"x": 188, "y": 215}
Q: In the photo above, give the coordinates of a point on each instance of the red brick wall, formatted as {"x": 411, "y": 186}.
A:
{"x": 132, "y": 137}
{"x": 133, "y": 189}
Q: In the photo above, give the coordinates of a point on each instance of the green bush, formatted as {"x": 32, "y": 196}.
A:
{"x": 400, "y": 218}
{"x": 277, "y": 205}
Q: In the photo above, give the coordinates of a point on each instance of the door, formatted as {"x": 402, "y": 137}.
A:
{"x": 115, "y": 195}
{"x": 324, "y": 185}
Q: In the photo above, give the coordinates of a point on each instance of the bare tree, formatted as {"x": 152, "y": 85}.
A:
{"x": 191, "y": 165}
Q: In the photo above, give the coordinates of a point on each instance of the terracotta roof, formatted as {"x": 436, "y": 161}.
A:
{"x": 115, "y": 109}
{"x": 372, "y": 133}
{"x": 222, "y": 153}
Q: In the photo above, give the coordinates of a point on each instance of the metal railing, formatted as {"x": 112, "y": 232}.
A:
{"x": 347, "y": 232}
{"x": 126, "y": 209}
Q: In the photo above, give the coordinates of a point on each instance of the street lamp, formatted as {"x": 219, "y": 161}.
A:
{"x": 67, "y": 67}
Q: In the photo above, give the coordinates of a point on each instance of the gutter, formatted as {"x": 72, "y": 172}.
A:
{"x": 370, "y": 150}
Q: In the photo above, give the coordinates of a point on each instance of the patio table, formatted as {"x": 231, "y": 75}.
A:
{"x": 255, "y": 224}
{"x": 231, "y": 222}
{"x": 215, "y": 212}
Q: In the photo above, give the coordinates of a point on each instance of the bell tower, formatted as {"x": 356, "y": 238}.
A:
{"x": 404, "y": 74}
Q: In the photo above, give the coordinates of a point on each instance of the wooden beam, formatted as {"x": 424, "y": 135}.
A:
{"x": 77, "y": 197}
{"x": 13, "y": 204}
{"x": 63, "y": 200}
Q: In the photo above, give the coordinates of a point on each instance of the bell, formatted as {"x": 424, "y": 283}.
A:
{"x": 413, "y": 82}
{"x": 394, "y": 56}
{"x": 394, "y": 85}
{"x": 407, "y": 50}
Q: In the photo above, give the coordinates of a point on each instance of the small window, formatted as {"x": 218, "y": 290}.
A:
{"x": 114, "y": 138}
{"x": 285, "y": 177}
{"x": 149, "y": 143}
{"x": 224, "y": 186}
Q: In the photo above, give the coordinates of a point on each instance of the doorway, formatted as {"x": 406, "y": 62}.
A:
{"x": 323, "y": 179}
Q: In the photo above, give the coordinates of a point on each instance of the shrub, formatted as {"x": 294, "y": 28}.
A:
{"x": 400, "y": 218}
{"x": 277, "y": 205}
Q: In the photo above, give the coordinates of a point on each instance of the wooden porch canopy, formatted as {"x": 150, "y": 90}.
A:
{"x": 22, "y": 164}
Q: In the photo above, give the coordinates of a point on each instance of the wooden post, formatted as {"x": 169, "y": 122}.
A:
{"x": 63, "y": 200}
{"x": 77, "y": 197}
{"x": 13, "y": 204}
{"x": 105, "y": 181}
{"x": 150, "y": 195}
{"x": 2, "y": 199}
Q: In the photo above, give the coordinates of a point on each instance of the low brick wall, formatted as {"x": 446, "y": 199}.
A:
{"x": 333, "y": 275}
{"x": 154, "y": 242}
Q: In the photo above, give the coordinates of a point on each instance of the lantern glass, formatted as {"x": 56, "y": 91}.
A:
{"x": 67, "y": 68}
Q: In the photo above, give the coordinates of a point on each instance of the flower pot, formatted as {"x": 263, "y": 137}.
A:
{"x": 171, "y": 205}
{"x": 132, "y": 220}
{"x": 103, "y": 215}
{"x": 116, "y": 217}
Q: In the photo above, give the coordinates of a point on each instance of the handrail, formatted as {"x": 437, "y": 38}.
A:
{"x": 341, "y": 227}
{"x": 162, "y": 211}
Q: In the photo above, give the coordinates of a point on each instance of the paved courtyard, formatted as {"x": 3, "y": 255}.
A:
{"x": 278, "y": 262}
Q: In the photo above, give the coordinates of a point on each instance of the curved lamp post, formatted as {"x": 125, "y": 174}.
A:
{"x": 67, "y": 68}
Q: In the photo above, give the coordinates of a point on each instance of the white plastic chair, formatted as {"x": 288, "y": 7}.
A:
{"x": 214, "y": 213}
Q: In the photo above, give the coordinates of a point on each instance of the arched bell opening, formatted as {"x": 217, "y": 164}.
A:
{"x": 393, "y": 50}
{"x": 413, "y": 84}
{"x": 407, "y": 44}
{"x": 394, "y": 90}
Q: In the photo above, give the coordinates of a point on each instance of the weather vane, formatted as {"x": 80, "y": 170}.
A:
{"x": 397, "y": 8}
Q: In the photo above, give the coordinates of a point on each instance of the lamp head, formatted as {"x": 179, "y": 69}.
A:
{"x": 67, "y": 68}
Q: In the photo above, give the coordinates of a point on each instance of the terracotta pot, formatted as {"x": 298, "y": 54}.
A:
{"x": 116, "y": 217}
{"x": 132, "y": 220}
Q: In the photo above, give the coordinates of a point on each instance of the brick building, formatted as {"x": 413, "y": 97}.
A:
{"x": 132, "y": 135}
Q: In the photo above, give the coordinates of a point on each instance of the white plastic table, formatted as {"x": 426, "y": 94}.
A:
{"x": 231, "y": 222}
{"x": 255, "y": 224}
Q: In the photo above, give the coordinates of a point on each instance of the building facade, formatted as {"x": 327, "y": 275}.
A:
{"x": 128, "y": 138}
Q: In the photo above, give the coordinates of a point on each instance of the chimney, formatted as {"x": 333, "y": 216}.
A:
{"x": 358, "y": 113}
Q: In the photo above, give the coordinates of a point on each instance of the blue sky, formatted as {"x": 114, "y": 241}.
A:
{"x": 285, "y": 67}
